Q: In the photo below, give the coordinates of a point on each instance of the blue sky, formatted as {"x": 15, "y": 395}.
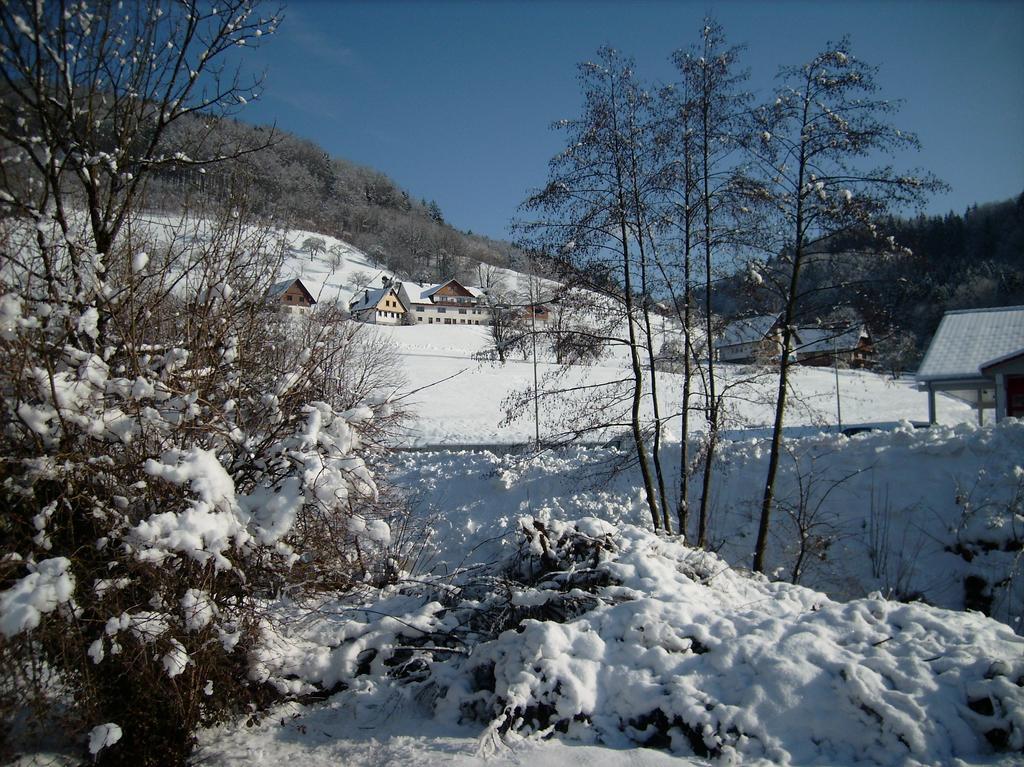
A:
{"x": 454, "y": 100}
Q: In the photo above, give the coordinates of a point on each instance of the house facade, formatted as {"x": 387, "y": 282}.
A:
{"x": 379, "y": 306}
{"x": 446, "y": 303}
{"x": 537, "y": 314}
{"x": 752, "y": 339}
{"x": 820, "y": 347}
{"x": 1008, "y": 373}
{"x": 760, "y": 339}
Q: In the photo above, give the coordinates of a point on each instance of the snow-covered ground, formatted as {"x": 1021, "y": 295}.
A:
{"x": 619, "y": 637}
{"x": 460, "y": 401}
{"x": 672, "y": 646}
{"x": 543, "y": 621}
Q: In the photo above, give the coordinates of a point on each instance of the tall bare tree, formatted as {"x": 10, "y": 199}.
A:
{"x": 586, "y": 215}
{"x": 714, "y": 110}
{"x": 814, "y": 146}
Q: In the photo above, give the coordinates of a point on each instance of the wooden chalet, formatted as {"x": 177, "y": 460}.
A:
{"x": 292, "y": 295}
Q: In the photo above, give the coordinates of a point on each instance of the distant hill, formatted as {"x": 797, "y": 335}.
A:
{"x": 955, "y": 261}
{"x": 292, "y": 182}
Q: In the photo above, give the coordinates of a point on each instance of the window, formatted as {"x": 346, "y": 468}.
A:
{"x": 441, "y": 310}
{"x": 288, "y": 299}
{"x": 462, "y": 311}
{"x": 419, "y": 308}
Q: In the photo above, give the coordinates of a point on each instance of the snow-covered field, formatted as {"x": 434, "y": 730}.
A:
{"x": 459, "y": 400}
{"x": 632, "y": 638}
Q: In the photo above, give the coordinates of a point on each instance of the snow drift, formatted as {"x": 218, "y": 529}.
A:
{"x": 613, "y": 635}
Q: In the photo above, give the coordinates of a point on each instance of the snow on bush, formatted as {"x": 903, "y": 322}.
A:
{"x": 170, "y": 441}
{"x": 47, "y": 585}
{"x": 684, "y": 653}
{"x": 103, "y": 735}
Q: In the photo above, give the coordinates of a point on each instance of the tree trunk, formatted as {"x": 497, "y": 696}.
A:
{"x": 780, "y": 403}
{"x": 711, "y": 393}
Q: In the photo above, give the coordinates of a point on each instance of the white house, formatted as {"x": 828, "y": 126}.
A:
{"x": 977, "y": 355}
{"x": 446, "y": 303}
{"x": 379, "y": 306}
{"x": 751, "y": 339}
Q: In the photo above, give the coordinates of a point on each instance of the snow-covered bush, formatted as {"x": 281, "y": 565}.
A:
{"x": 679, "y": 651}
{"x": 169, "y": 441}
{"x": 989, "y": 538}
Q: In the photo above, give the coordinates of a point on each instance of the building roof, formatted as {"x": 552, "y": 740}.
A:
{"x": 747, "y": 331}
{"x": 1014, "y": 356}
{"x": 827, "y": 341}
{"x": 421, "y": 292}
{"x": 280, "y": 287}
{"x": 371, "y": 297}
{"x": 417, "y": 291}
{"x": 967, "y": 339}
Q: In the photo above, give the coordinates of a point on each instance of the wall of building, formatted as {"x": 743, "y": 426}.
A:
{"x": 432, "y": 314}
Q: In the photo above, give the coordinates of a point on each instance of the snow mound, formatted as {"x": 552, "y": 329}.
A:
{"x": 612, "y": 635}
{"x": 48, "y": 585}
{"x": 681, "y": 652}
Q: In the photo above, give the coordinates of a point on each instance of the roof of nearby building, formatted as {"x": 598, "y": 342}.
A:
{"x": 747, "y": 331}
{"x": 1014, "y": 356}
{"x": 968, "y": 339}
{"x": 370, "y": 298}
{"x": 827, "y": 341}
{"x": 421, "y": 292}
{"x": 280, "y": 287}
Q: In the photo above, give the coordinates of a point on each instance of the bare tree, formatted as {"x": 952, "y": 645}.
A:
{"x": 587, "y": 214}
{"x": 92, "y": 90}
{"x": 812, "y": 146}
{"x": 709, "y": 115}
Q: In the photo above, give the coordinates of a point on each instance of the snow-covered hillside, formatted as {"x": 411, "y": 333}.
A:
{"x": 458, "y": 400}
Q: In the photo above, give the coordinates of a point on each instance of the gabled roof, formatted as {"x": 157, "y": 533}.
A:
{"x": 371, "y": 297}
{"x": 421, "y": 292}
{"x": 827, "y": 341}
{"x": 280, "y": 287}
{"x": 967, "y": 339}
{"x": 747, "y": 331}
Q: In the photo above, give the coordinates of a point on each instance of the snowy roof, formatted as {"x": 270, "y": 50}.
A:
{"x": 747, "y": 331}
{"x": 1011, "y": 357}
{"x": 826, "y": 340}
{"x": 970, "y": 338}
{"x": 368, "y": 298}
{"x": 420, "y": 292}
